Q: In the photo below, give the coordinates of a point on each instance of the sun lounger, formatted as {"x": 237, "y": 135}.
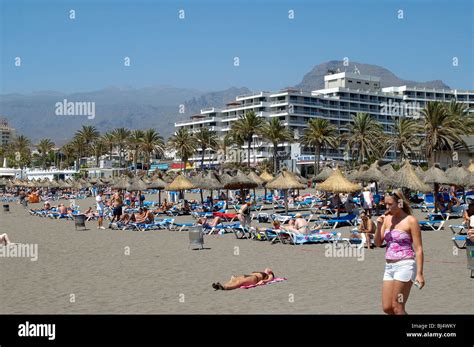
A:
{"x": 347, "y": 219}
{"x": 458, "y": 229}
{"x": 460, "y": 241}
{"x": 435, "y": 222}
{"x": 221, "y": 228}
{"x": 315, "y": 236}
{"x": 181, "y": 226}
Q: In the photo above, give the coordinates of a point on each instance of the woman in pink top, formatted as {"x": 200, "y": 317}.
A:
{"x": 404, "y": 252}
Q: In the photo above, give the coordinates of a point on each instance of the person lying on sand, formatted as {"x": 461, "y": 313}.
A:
{"x": 4, "y": 240}
{"x": 204, "y": 222}
{"x": 298, "y": 226}
{"x": 255, "y": 278}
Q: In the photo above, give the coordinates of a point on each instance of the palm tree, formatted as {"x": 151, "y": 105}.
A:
{"x": 134, "y": 143}
{"x": 68, "y": 150}
{"x": 120, "y": 139}
{"x": 44, "y": 146}
{"x": 152, "y": 143}
{"x": 247, "y": 126}
{"x": 184, "y": 143}
{"x": 442, "y": 129}
{"x": 206, "y": 139}
{"x": 22, "y": 145}
{"x": 80, "y": 146}
{"x": 405, "y": 137}
{"x": 109, "y": 140}
{"x": 224, "y": 145}
{"x": 88, "y": 134}
{"x": 276, "y": 133}
{"x": 364, "y": 135}
{"x": 319, "y": 134}
{"x": 98, "y": 148}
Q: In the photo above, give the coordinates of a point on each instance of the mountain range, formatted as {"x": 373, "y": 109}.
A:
{"x": 158, "y": 107}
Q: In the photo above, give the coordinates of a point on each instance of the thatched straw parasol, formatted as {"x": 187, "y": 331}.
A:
{"x": 157, "y": 183}
{"x": 407, "y": 178}
{"x": 266, "y": 177}
{"x": 136, "y": 185}
{"x": 435, "y": 175}
{"x": 337, "y": 183}
{"x": 324, "y": 174}
{"x": 420, "y": 173}
{"x": 388, "y": 170}
{"x": 240, "y": 181}
{"x": 284, "y": 181}
{"x": 180, "y": 183}
{"x": 458, "y": 175}
{"x": 120, "y": 183}
{"x": 256, "y": 178}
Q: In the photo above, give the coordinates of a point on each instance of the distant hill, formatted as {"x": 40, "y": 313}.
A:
{"x": 315, "y": 78}
{"x": 34, "y": 114}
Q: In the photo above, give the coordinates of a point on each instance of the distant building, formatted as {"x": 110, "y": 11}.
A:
{"x": 344, "y": 95}
{"x": 7, "y": 133}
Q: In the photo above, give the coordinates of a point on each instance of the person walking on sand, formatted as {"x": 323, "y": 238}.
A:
{"x": 256, "y": 278}
{"x": 100, "y": 209}
{"x": 404, "y": 253}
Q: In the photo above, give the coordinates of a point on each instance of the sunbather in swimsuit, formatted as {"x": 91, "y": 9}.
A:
{"x": 255, "y": 278}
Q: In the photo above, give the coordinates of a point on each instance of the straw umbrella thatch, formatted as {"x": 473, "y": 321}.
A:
{"x": 388, "y": 170}
{"x": 180, "y": 183}
{"x": 120, "y": 183}
{"x": 136, "y": 185}
{"x": 198, "y": 181}
{"x": 240, "y": 181}
{"x": 260, "y": 182}
{"x": 337, "y": 183}
{"x": 157, "y": 183}
{"x": 435, "y": 175}
{"x": 407, "y": 178}
{"x": 458, "y": 175}
{"x": 324, "y": 174}
{"x": 420, "y": 173}
{"x": 266, "y": 177}
{"x": 284, "y": 181}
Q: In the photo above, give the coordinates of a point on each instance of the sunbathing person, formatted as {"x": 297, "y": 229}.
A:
{"x": 204, "y": 222}
{"x": 146, "y": 217}
{"x": 255, "y": 278}
{"x": 299, "y": 225}
{"x": 62, "y": 209}
{"x": 4, "y": 240}
{"x": 366, "y": 227}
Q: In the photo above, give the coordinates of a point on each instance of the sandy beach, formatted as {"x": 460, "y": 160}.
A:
{"x": 154, "y": 272}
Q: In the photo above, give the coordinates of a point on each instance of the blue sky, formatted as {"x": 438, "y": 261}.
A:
{"x": 87, "y": 53}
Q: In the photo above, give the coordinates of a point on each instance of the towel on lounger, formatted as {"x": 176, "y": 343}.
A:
{"x": 275, "y": 280}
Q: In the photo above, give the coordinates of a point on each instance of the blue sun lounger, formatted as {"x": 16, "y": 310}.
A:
{"x": 435, "y": 222}
{"x": 460, "y": 241}
{"x": 348, "y": 219}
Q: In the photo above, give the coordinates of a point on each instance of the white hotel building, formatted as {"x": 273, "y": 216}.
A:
{"x": 344, "y": 95}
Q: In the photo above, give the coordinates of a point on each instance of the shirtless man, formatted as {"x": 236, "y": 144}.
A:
{"x": 300, "y": 225}
{"x": 256, "y": 278}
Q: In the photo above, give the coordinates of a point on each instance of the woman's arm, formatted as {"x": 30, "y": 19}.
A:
{"x": 418, "y": 248}
{"x": 378, "y": 238}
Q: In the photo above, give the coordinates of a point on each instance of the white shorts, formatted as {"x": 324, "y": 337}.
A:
{"x": 402, "y": 270}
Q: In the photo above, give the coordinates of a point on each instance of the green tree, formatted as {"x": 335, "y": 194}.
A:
{"x": 206, "y": 139}
{"x": 319, "y": 134}
{"x": 364, "y": 135}
{"x": 152, "y": 144}
{"x": 88, "y": 134}
{"x": 405, "y": 137}
{"x": 442, "y": 129}
{"x": 134, "y": 143}
{"x": 109, "y": 141}
{"x": 44, "y": 146}
{"x": 121, "y": 140}
{"x": 184, "y": 144}
{"x": 276, "y": 133}
{"x": 98, "y": 149}
{"x": 247, "y": 126}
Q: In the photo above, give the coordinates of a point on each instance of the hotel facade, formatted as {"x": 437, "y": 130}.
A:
{"x": 344, "y": 95}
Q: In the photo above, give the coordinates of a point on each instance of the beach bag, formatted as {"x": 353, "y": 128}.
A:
{"x": 263, "y": 218}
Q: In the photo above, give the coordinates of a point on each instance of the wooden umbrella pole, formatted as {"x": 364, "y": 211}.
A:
{"x": 159, "y": 197}
{"x": 285, "y": 194}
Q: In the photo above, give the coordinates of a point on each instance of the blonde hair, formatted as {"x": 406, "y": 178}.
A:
{"x": 397, "y": 196}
